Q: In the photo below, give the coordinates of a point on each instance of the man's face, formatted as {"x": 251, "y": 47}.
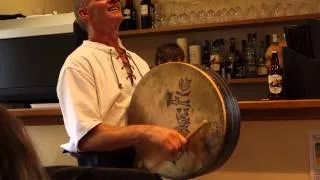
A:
{"x": 104, "y": 12}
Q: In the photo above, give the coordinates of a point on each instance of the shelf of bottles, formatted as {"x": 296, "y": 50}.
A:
{"x": 154, "y": 17}
{"x": 248, "y": 64}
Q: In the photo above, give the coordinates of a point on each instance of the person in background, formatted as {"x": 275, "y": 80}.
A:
{"x": 170, "y": 52}
{"x": 18, "y": 158}
{"x": 95, "y": 87}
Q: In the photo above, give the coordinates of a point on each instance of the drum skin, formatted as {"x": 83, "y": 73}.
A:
{"x": 181, "y": 96}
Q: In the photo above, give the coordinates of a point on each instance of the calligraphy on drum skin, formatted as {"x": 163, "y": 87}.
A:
{"x": 181, "y": 99}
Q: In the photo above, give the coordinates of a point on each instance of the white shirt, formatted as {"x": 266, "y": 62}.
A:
{"x": 88, "y": 89}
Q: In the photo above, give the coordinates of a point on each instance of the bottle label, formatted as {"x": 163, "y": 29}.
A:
{"x": 275, "y": 83}
{"x": 195, "y": 54}
{"x": 144, "y": 10}
{"x": 127, "y": 14}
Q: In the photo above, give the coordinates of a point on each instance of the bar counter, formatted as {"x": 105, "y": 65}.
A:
{"x": 307, "y": 109}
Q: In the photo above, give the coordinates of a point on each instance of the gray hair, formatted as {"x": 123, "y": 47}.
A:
{"x": 77, "y": 4}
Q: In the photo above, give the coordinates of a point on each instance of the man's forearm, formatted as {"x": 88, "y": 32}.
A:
{"x": 108, "y": 138}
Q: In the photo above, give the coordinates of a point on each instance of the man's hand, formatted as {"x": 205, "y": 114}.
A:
{"x": 170, "y": 140}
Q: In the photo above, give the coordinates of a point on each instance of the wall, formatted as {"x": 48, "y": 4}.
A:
{"x": 47, "y": 140}
{"x": 269, "y": 150}
{"x": 274, "y": 150}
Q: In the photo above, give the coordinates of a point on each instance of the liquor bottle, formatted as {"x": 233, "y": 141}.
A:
{"x": 229, "y": 63}
{"x": 215, "y": 58}
{"x": 156, "y": 15}
{"x": 206, "y": 54}
{"x": 243, "y": 58}
{"x": 262, "y": 67}
{"x": 129, "y": 14}
{"x": 239, "y": 66}
{"x": 146, "y": 14}
{"x": 251, "y": 65}
{"x": 223, "y": 56}
{"x": 243, "y": 54}
{"x": 195, "y": 55}
{"x": 275, "y": 78}
{"x": 183, "y": 44}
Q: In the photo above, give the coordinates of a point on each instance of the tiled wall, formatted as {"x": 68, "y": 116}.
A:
{"x": 177, "y": 12}
{"x": 32, "y": 7}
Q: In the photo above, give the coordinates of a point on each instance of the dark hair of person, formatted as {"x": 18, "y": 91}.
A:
{"x": 18, "y": 158}
{"x": 169, "y": 52}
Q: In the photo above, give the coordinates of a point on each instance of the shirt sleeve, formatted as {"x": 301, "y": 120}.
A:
{"x": 79, "y": 104}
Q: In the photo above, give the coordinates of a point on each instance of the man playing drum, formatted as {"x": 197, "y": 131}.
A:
{"x": 95, "y": 87}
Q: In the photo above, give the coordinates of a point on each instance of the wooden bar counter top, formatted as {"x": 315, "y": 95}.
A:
{"x": 307, "y": 109}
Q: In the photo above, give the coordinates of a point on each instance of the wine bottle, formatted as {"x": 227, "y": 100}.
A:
{"x": 146, "y": 14}
{"x": 275, "y": 78}
{"x": 129, "y": 13}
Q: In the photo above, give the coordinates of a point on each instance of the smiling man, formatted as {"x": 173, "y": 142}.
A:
{"x": 95, "y": 87}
